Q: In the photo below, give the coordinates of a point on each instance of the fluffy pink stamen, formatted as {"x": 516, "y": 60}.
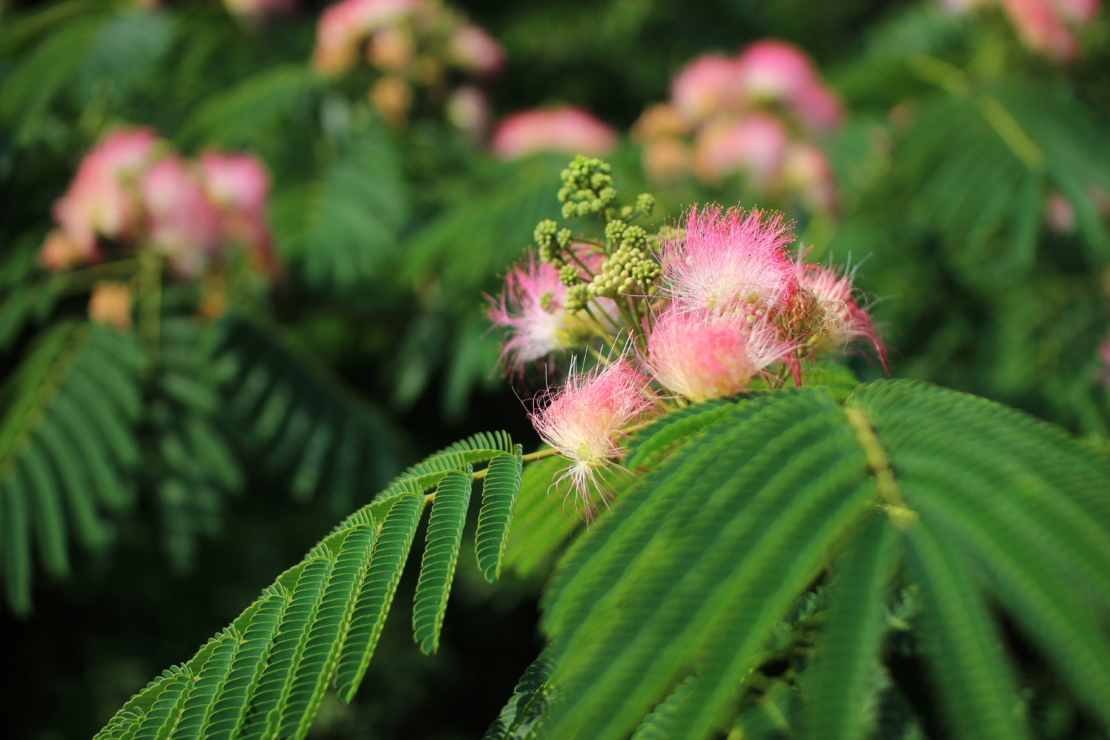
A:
{"x": 727, "y": 260}
{"x": 702, "y": 356}
{"x": 585, "y": 422}
{"x": 842, "y": 319}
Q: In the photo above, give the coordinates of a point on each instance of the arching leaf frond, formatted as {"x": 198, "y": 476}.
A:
{"x": 65, "y": 442}
{"x": 441, "y": 554}
{"x": 499, "y": 492}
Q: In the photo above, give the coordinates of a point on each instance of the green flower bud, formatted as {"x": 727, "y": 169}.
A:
{"x": 563, "y": 238}
{"x": 568, "y": 275}
{"x": 645, "y": 202}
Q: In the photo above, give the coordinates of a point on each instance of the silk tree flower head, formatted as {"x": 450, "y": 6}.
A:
{"x": 110, "y": 303}
{"x": 565, "y": 129}
{"x": 827, "y": 308}
{"x": 532, "y": 307}
{"x": 238, "y": 185}
{"x": 101, "y": 199}
{"x": 729, "y": 261}
{"x": 755, "y": 146}
{"x": 184, "y": 224}
{"x": 344, "y": 26}
{"x": 706, "y": 86}
{"x": 704, "y": 355}
{"x": 774, "y": 71}
{"x": 585, "y": 421}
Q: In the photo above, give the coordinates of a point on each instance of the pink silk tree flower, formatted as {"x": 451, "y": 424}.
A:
{"x": 101, "y": 198}
{"x": 476, "y": 51}
{"x": 708, "y": 85}
{"x": 184, "y": 225}
{"x": 585, "y": 421}
{"x": 729, "y": 261}
{"x": 701, "y": 355}
{"x": 238, "y": 184}
{"x": 531, "y": 308}
{"x": 1042, "y": 29}
{"x": 753, "y": 146}
{"x": 827, "y": 307}
{"x": 344, "y": 26}
{"x": 565, "y": 129}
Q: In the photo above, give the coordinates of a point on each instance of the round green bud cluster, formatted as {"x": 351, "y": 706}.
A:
{"x": 629, "y": 270}
{"x": 577, "y": 297}
{"x": 613, "y": 232}
{"x": 546, "y": 239}
{"x": 545, "y": 300}
{"x": 568, "y": 275}
{"x": 587, "y": 187}
{"x": 645, "y": 202}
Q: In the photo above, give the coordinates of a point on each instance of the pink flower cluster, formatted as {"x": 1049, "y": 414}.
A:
{"x": 564, "y": 129}
{"x": 412, "y": 43}
{"x": 752, "y": 115}
{"x": 1044, "y": 26}
{"x": 732, "y": 308}
{"x": 131, "y": 190}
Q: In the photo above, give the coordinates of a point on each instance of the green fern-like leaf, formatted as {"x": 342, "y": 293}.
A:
{"x": 339, "y": 229}
{"x": 376, "y": 595}
{"x": 787, "y": 466}
{"x": 301, "y": 419}
{"x": 530, "y": 698}
{"x": 540, "y": 527}
{"x": 426, "y": 474}
{"x": 65, "y": 439}
{"x": 499, "y": 492}
{"x": 837, "y": 685}
{"x": 441, "y": 553}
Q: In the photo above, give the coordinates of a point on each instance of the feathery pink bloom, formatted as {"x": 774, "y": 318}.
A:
{"x": 832, "y": 311}
{"x": 565, "y": 129}
{"x": 184, "y": 224}
{"x": 344, "y": 26}
{"x": 702, "y": 355}
{"x": 729, "y": 260}
{"x": 585, "y": 422}
{"x": 710, "y": 84}
{"x": 753, "y": 146}
{"x": 531, "y": 307}
{"x": 101, "y": 198}
{"x": 476, "y": 51}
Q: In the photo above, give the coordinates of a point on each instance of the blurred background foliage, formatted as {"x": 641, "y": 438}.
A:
{"x": 197, "y": 440}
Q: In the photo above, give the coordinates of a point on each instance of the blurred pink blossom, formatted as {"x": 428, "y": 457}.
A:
{"x": 59, "y": 252}
{"x": 780, "y": 72}
{"x": 565, "y": 129}
{"x": 344, "y": 26}
{"x": 259, "y": 8}
{"x": 707, "y": 85}
{"x": 476, "y": 51}
{"x": 754, "y": 145}
{"x": 184, "y": 225}
{"x": 101, "y": 198}
{"x": 1059, "y": 214}
{"x": 806, "y": 170}
{"x": 1045, "y": 26}
{"x": 238, "y": 184}
{"x": 468, "y": 109}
